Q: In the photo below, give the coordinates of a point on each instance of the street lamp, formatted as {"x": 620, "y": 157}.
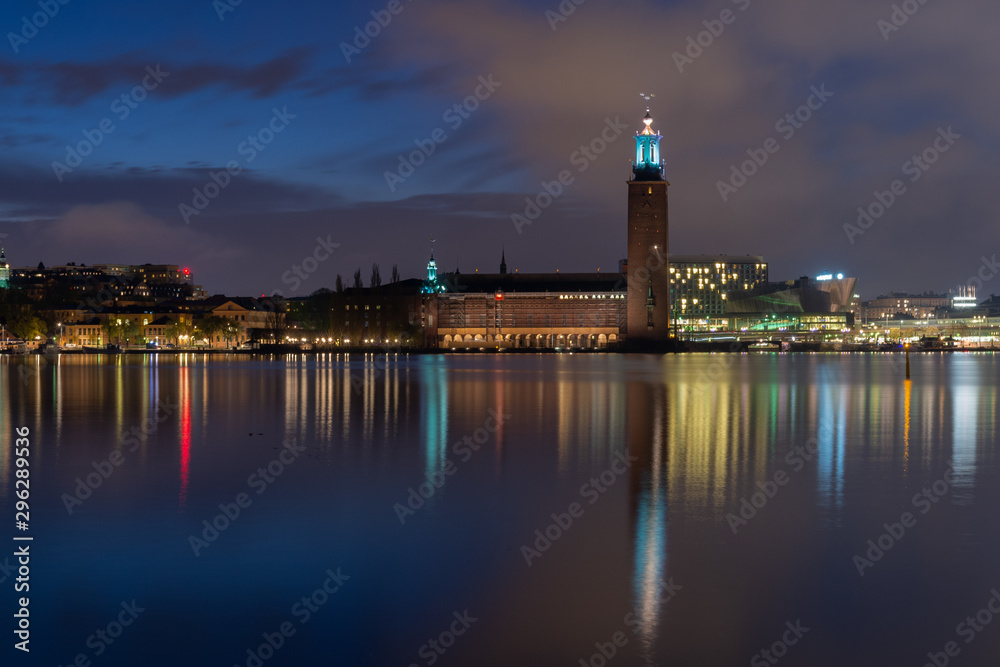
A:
{"x": 59, "y": 331}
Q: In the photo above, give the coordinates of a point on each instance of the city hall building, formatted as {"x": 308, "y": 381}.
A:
{"x": 568, "y": 310}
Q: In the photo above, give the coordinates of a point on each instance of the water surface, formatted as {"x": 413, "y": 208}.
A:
{"x": 655, "y": 553}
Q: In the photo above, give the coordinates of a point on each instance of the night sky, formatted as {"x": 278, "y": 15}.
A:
{"x": 556, "y": 83}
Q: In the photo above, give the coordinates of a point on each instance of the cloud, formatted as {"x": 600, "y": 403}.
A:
{"x": 72, "y": 83}
{"x": 29, "y": 192}
{"x": 119, "y": 231}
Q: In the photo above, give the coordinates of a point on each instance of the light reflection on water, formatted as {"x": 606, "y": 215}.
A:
{"x": 706, "y": 430}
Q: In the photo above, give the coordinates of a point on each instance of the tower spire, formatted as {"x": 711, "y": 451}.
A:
{"x": 648, "y": 164}
{"x": 503, "y": 261}
{"x": 431, "y": 284}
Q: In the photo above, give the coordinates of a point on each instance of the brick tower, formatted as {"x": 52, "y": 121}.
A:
{"x": 648, "y": 297}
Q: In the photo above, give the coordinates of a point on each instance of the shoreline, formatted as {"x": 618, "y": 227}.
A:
{"x": 703, "y": 348}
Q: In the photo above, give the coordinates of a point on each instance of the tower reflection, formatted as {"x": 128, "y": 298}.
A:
{"x": 648, "y": 499}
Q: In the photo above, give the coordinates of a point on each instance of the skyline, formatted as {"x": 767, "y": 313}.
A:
{"x": 533, "y": 89}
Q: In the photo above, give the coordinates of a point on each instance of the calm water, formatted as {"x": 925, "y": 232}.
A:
{"x": 654, "y": 554}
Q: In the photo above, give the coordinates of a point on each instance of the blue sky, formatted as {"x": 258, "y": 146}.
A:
{"x": 557, "y": 85}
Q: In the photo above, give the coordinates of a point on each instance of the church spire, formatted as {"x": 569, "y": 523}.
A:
{"x": 503, "y": 261}
{"x": 431, "y": 284}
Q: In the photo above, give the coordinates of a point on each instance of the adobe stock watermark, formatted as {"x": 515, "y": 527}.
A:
{"x": 637, "y": 278}
{"x": 988, "y": 269}
{"x": 779, "y": 649}
{"x": 223, "y": 7}
{"x": 455, "y": 116}
{"x": 249, "y": 149}
{"x": 618, "y": 640}
{"x": 299, "y": 273}
{"x": 894, "y": 532}
{"x": 363, "y": 36}
{"x": 122, "y": 106}
{"x": 898, "y": 17}
{"x": 750, "y": 505}
{"x": 104, "y": 468}
{"x": 786, "y": 126}
{"x": 31, "y": 25}
{"x": 697, "y": 44}
{"x": 434, "y": 648}
{"x": 581, "y": 158}
{"x": 968, "y": 629}
{"x": 258, "y": 481}
{"x": 303, "y": 611}
{"x": 591, "y": 491}
{"x": 915, "y": 168}
{"x": 463, "y": 450}
{"x": 562, "y": 12}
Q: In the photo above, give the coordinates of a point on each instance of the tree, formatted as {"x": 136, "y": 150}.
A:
{"x": 395, "y": 274}
{"x": 274, "y": 320}
{"x": 112, "y": 331}
{"x": 210, "y": 325}
{"x": 172, "y": 332}
{"x": 130, "y": 331}
{"x": 376, "y": 280}
{"x": 340, "y": 284}
{"x": 178, "y": 331}
{"x": 23, "y": 323}
{"x": 230, "y": 330}
{"x": 357, "y": 279}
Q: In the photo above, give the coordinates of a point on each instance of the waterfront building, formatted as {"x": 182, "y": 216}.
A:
{"x": 896, "y": 304}
{"x": 700, "y": 285}
{"x": 4, "y": 270}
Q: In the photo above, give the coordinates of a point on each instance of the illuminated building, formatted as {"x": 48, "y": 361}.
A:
{"x": 700, "y": 284}
{"x": 966, "y": 298}
{"x": 432, "y": 285}
{"x": 529, "y": 310}
{"x": 918, "y": 306}
{"x": 647, "y": 274}
{"x": 806, "y": 304}
{"x": 4, "y": 270}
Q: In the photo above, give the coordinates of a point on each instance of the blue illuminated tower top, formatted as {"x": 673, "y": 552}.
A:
{"x": 648, "y": 164}
{"x": 431, "y": 284}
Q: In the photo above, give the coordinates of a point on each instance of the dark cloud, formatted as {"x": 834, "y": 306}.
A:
{"x": 160, "y": 190}
{"x": 16, "y": 140}
{"x": 72, "y": 83}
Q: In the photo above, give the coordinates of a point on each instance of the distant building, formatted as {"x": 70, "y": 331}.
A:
{"x": 807, "y": 305}
{"x": 700, "y": 284}
{"x": 151, "y": 325}
{"x": 256, "y": 319}
{"x": 4, "y": 270}
{"x": 530, "y": 310}
{"x": 917, "y": 306}
{"x": 124, "y": 284}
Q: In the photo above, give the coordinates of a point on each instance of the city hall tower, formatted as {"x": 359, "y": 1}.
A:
{"x": 648, "y": 276}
